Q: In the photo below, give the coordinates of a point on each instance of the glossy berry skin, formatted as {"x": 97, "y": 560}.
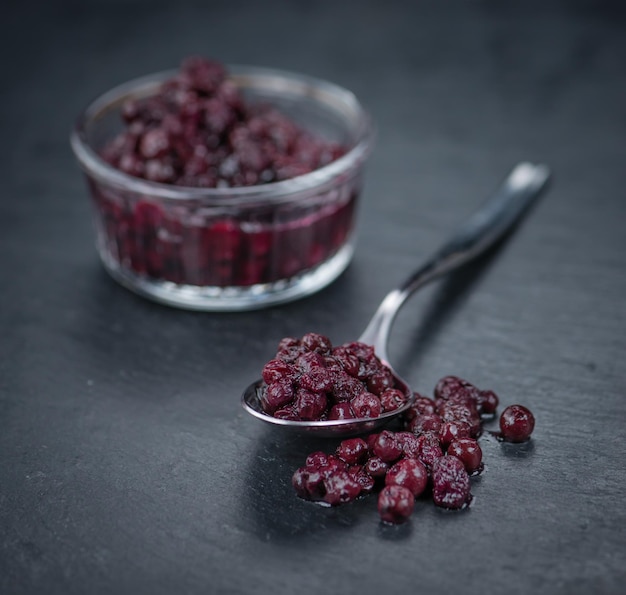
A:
{"x": 516, "y": 423}
{"x": 451, "y": 483}
{"x": 276, "y": 370}
{"x": 277, "y": 395}
{"x": 340, "y": 488}
{"x": 318, "y": 380}
{"x": 395, "y": 504}
{"x": 429, "y": 449}
{"x": 455, "y": 388}
{"x": 468, "y": 451}
{"x": 409, "y": 473}
{"x": 340, "y": 411}
{"x": 428, "y": 422}
{"x": 376, "y": 467}
{"x": 309, "y": 360}
{"x": 346, "y": 387}
{"x": 370, "y": 439}
{"x": 387, "y": 447}
{"x": 460, "y": 411}
{"x": 310, "y": 405}
{"x": 391, "y": 399}
{"x": 352, "y": 450}
{"x": 317, "y": 343}
{"x": 451, "y": 431}
{"x": 348, "y": 360}
{"x": 366, "y": 405}
{"x": 380, "y": 381}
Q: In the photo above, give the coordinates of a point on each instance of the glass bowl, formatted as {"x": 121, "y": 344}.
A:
{"x": 230, "y": 248}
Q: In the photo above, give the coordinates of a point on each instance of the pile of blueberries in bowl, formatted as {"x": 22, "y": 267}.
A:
{"x": 224, "y": 189}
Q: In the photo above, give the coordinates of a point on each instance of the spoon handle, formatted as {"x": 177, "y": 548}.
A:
{"x": 480, "y": 231}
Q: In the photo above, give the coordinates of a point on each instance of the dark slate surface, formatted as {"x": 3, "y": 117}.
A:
{"x": 126, "y": 462}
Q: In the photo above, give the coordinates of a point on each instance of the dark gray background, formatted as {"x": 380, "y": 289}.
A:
{"x": 126, "y": 462}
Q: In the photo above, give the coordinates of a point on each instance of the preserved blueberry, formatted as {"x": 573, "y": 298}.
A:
{"x": 468, "y": 451}
{"x": 516, "y": 423}
{"x": 409, "y": 473}
{"x": 451, "y": 483}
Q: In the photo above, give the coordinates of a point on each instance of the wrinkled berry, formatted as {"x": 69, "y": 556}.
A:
{"x": 428, "y": 449}
{"x": 288, "y": 413}
{"x": 317, "y": 380}
{"x": 361, "y": 350}
{"x": 392, "y": 399}
{"x": 422, "y": 405}
{"x": 309, "y": 360}
{"x": 289, "y": 349}
{"x": 346, "y": 387}
{"x": 453, "y": 387}
{"x": 310, "y": 405}
{"x": 317, "y": 343}
{"x": 460, "y": 411}
{"x": 429, "y": 422}
{"x": 348, "y": 360}
{"x": 276, "y": 370}
{"x": 451, "y": 483}
{"x": 333, "y": 464}
{"x": 363, "y": 478}
{"x": 410, "y": 444}
{"x": 277, "y": 395}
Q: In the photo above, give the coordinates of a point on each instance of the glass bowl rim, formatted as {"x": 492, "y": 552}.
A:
{"x": 318, "y": 180}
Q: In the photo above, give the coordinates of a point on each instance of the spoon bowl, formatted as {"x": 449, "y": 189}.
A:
{"x": 481, "y": 231}
{"x": 251, "y": 402}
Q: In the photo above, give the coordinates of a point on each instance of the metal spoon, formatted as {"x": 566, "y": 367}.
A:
{"x": 479, "y": 232}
